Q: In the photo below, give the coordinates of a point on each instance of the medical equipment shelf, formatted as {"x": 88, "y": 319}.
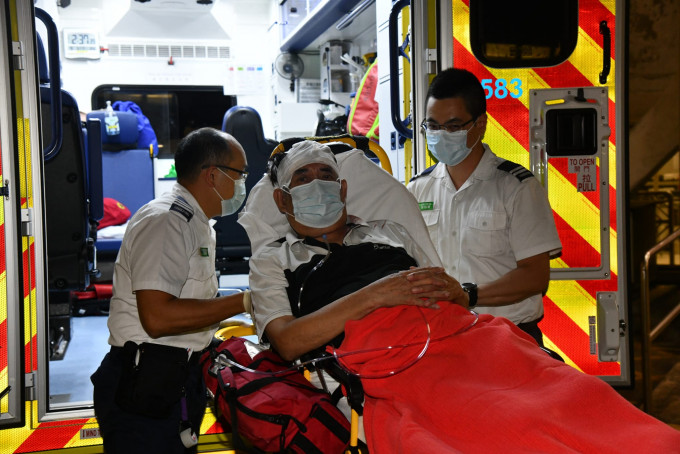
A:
{"x": 318, "y": 27}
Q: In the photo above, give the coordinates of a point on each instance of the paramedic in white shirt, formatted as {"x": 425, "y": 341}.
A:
{"x": 489, "y": 219}
{"x": 164, "y": 308}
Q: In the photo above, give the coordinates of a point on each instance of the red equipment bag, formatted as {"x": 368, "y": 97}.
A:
{"x": 275, "y": 412}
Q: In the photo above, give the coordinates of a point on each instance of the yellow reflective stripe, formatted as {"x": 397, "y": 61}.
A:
{"x": 612, "y": 165}
{"x": 610, "y": 5}
{"x": 552, "y": 346}
{"x": 512, "y": 150}
{"x": 573, "y": 300}
{"x": 209, "y": 419}
{"x": 613, "y": 252}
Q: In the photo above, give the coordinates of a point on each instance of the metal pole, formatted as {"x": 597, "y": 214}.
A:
{"x": 645, "y": 343}
{"x": 645, "y": 312}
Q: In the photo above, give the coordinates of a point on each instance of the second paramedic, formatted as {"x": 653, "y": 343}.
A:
{"x": 149, "y": 394}
{"x": 489, "y": 218}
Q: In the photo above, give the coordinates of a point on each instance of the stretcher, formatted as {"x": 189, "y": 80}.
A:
{"x": 495, "y": 387}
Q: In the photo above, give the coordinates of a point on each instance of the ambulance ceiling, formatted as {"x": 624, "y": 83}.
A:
{"x": 171, "y": 19}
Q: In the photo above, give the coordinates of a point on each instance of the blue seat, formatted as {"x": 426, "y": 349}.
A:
{"x": 233, "y": 245}
{"x": 127, "y": 171}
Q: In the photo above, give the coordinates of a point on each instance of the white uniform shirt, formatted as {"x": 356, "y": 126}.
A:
{"x": 483, "y": 229}
{"x": 268, "y": 281}
{"x": 169, "y": 245}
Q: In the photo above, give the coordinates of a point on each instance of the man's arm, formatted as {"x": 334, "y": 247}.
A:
{"x": 293, "y": 337}
{"x": 531, "y": 277}
{"x": 163, "y": 314}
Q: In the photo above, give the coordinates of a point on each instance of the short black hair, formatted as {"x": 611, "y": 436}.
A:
{"x": 204, "y": 146}
{"x": 459, "y": 83}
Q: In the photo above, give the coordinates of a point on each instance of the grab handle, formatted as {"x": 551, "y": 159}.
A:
{"x": 606, "y": 51}
{"x": 395, "y": 105}
{"x": 55, "y": 84}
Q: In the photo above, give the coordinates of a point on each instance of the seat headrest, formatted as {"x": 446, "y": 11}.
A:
{"x": 372, "y": 194}
{"x": 129, "y": 132}
{"x": 245, "y": 124}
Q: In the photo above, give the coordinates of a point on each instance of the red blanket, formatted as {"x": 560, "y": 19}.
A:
{"x": 486, "y": 389}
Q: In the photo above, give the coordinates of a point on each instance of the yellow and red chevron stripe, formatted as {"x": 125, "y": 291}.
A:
{"x": 4, "y": 378}
{"x": 568, "y": 304}
{"x": 54, "y": 435}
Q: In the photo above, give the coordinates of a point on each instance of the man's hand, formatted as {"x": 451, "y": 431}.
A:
{"x": 434, "y": 283}
{"x": 417, "y": 287}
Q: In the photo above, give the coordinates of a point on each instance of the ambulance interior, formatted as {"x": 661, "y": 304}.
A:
{"x": 283, "y": 68}
{"x": 225, "y": 68}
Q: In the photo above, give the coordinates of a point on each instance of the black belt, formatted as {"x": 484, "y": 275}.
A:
{"x": 193, "y": 359}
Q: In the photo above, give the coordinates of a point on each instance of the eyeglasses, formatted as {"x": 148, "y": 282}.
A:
{"x": 450, "y": 126}
{"x": 243, "y": 173}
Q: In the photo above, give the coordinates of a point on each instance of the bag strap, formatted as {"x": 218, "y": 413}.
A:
{"x": 230, "y": 398}
{"x": 333, "y": 426}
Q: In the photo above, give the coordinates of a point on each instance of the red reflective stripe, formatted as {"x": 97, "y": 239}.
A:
{"x": 573, "y": 342}
{"x": 51, "y": 435}
{"x": 576, "y": 252}
{"x": 591, "y": 13}
{"x": 27, "y": 262}
{"x": 612, "y": 121}
{"x": 563, "y": 75}
{"x": 217, "y": 428}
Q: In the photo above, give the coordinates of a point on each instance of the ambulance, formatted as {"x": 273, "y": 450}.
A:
{"x": 554, "y": 76}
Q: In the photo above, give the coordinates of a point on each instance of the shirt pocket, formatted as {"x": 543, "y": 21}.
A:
{"x": 202, "y": 279}
{"x": 431, "y": 218}
{"x": 485, "y": 233}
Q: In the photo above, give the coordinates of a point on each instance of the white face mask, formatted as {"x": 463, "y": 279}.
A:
{"x": 231, "y": 206}
{"x": 449, "y": 147}
{"x": 317, "y": 204}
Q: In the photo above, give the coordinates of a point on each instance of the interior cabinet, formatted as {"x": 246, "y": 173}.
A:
{"x": 334, "y": 28}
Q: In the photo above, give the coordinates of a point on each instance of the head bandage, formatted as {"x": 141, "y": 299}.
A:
{"x": 302, "y": 154}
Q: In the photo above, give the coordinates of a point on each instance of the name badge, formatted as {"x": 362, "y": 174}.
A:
{"x": 426, "y": 206}
{"x": 205, "y": 252}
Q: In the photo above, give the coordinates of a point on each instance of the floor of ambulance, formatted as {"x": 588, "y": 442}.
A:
{"x": 69, "y": 379}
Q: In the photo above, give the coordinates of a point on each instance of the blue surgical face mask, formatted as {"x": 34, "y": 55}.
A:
{"x": 231, "y": 206}
{"x": 449, "y": 147}
{"x": 317, "y": 204}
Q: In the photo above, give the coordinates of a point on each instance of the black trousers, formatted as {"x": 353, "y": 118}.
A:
{"x": 532, "y": 329}
{"x": 128, "y": 433}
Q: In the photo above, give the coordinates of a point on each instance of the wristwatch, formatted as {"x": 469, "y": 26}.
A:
{"x": 471, "y": 290}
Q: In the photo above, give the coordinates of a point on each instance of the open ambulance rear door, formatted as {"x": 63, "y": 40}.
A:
{"x": 554, "y": 75}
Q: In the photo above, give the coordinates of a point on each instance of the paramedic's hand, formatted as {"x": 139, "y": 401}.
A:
{"x": 434, "y": 283}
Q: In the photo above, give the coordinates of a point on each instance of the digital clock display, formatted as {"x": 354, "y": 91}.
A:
{"x": 82, "y": 38}
{"x": 81, "y": 44}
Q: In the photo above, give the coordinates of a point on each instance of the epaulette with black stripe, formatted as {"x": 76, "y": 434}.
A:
{"x": 424, "y": 172}
{"x": 182, "y": 207}
{"x": 515, "y": 169}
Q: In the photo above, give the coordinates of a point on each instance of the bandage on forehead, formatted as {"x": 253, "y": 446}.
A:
{"x": 302, "y": 154}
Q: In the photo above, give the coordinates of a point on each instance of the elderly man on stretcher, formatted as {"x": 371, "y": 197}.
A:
{"x": 437, "y": 377}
